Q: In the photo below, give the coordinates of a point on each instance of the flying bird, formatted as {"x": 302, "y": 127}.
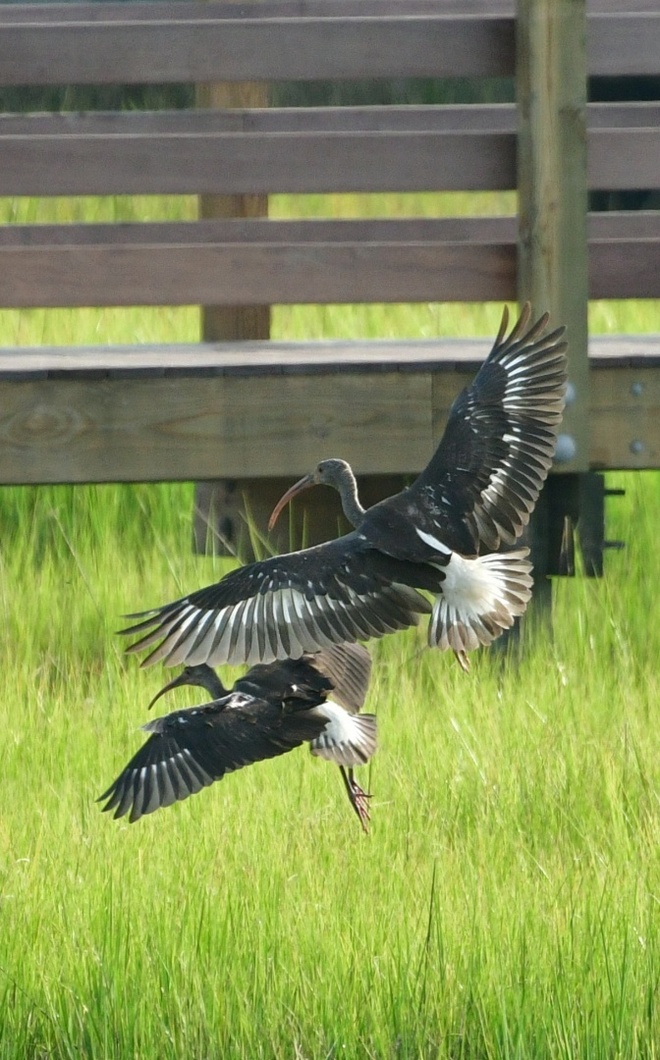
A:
{"x": 269, "y": 711}
{"x": 443, "y": 535}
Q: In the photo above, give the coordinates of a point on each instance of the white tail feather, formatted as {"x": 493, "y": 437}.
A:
{"x": 480, "y": 598}
{"x": 348, "y": 739}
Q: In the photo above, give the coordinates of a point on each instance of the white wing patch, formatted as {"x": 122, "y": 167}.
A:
{"x": 433, "y": 542}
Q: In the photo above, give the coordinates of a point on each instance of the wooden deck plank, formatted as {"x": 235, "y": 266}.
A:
{"x": 273, "y": 358}
{"x": 207, "y": 428}
{"x": 80, "y": 429}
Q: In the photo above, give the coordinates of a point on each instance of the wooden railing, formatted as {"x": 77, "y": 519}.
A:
{"x": 194, "y": 411}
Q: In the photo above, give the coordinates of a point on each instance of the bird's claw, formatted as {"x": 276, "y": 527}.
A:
{"x": 463, "y": 661}
{"x": 360, "y": 803}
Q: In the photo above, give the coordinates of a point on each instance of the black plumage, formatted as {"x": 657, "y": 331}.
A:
{"x": 441, "y": 535}
{"x": 269, "y": 711}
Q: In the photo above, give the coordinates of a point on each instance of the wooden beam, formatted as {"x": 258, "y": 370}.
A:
{"x": 192, "y": 428}
{"x": 552, "y": 188}
{"x": 109, "y": 415}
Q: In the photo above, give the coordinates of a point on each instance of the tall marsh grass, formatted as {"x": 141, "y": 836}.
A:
{"x": 506, "y": 902}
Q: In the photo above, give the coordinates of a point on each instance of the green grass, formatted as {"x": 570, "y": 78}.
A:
{"x": 506, "y": 902}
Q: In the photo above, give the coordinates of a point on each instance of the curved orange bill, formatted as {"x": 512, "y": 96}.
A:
{"x": 303, "y": 484}
{"x": 176, "y": 682}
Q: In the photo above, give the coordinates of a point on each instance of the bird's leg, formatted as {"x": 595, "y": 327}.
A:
{"x": 463, "y": 661}
{"x": 358, "y": 798}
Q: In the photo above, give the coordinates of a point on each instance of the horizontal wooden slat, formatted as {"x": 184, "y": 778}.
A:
{"x": 254, "y": 49}
{"x": 258, "y": 230}
{"x": 271, "y": 262}
{"x": 252, "y": 358}
{"x": 74, "y": 427}
{"x": 253, "y": 163}
{"x": 297, "y": 151}
{"x": 254, "y": 262}
{"x": 622, "y": 45}
{"x": 205, "y": 46}
{"x": 174, "y": 9}
{"x": 447, "y": 117}
{"x": 253, "y": 274}
{"x": 441, "y": 356}
{"x": 490, "y": 117}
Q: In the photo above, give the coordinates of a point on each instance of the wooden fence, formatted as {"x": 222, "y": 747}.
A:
{"x": 250, "y": 409}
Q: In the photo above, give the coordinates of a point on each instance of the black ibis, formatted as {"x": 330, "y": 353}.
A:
{"x": 441, "y": 535}
{"x": 270, "y": 710}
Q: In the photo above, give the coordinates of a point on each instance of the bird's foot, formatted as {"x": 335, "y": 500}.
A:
{"x": 360, "y": 803}
{"x": 463, "y": 661}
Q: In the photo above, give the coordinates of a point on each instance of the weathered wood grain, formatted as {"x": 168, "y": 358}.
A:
{"x": 190, "y": 428}
{"x": 473, "y": 117}
{"x": 74, "y": 427}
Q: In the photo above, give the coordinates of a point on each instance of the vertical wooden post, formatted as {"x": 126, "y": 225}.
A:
{"x": 219, "y": 518}
{"x": 551, "y": 88}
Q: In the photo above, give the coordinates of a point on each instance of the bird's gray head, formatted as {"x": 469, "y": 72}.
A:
{"x": 331, "y": 472}
{"x": 200, "y": 675}
{"x": 327, "y": 473}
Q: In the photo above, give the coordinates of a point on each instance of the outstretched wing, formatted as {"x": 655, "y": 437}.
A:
{"x": 484, "y": 479}
{"x": 288, "y": 605}
{"x": 190, "y": 749}
{"x": 348, "y": 668}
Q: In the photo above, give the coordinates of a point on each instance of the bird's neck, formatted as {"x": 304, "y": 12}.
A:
{"x": 210, "y": 681}
{"x": 350, "y": 501}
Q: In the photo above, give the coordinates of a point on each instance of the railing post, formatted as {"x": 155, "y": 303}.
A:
{"x": 551, "y": 76}
{"x": 219, "y": 522}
